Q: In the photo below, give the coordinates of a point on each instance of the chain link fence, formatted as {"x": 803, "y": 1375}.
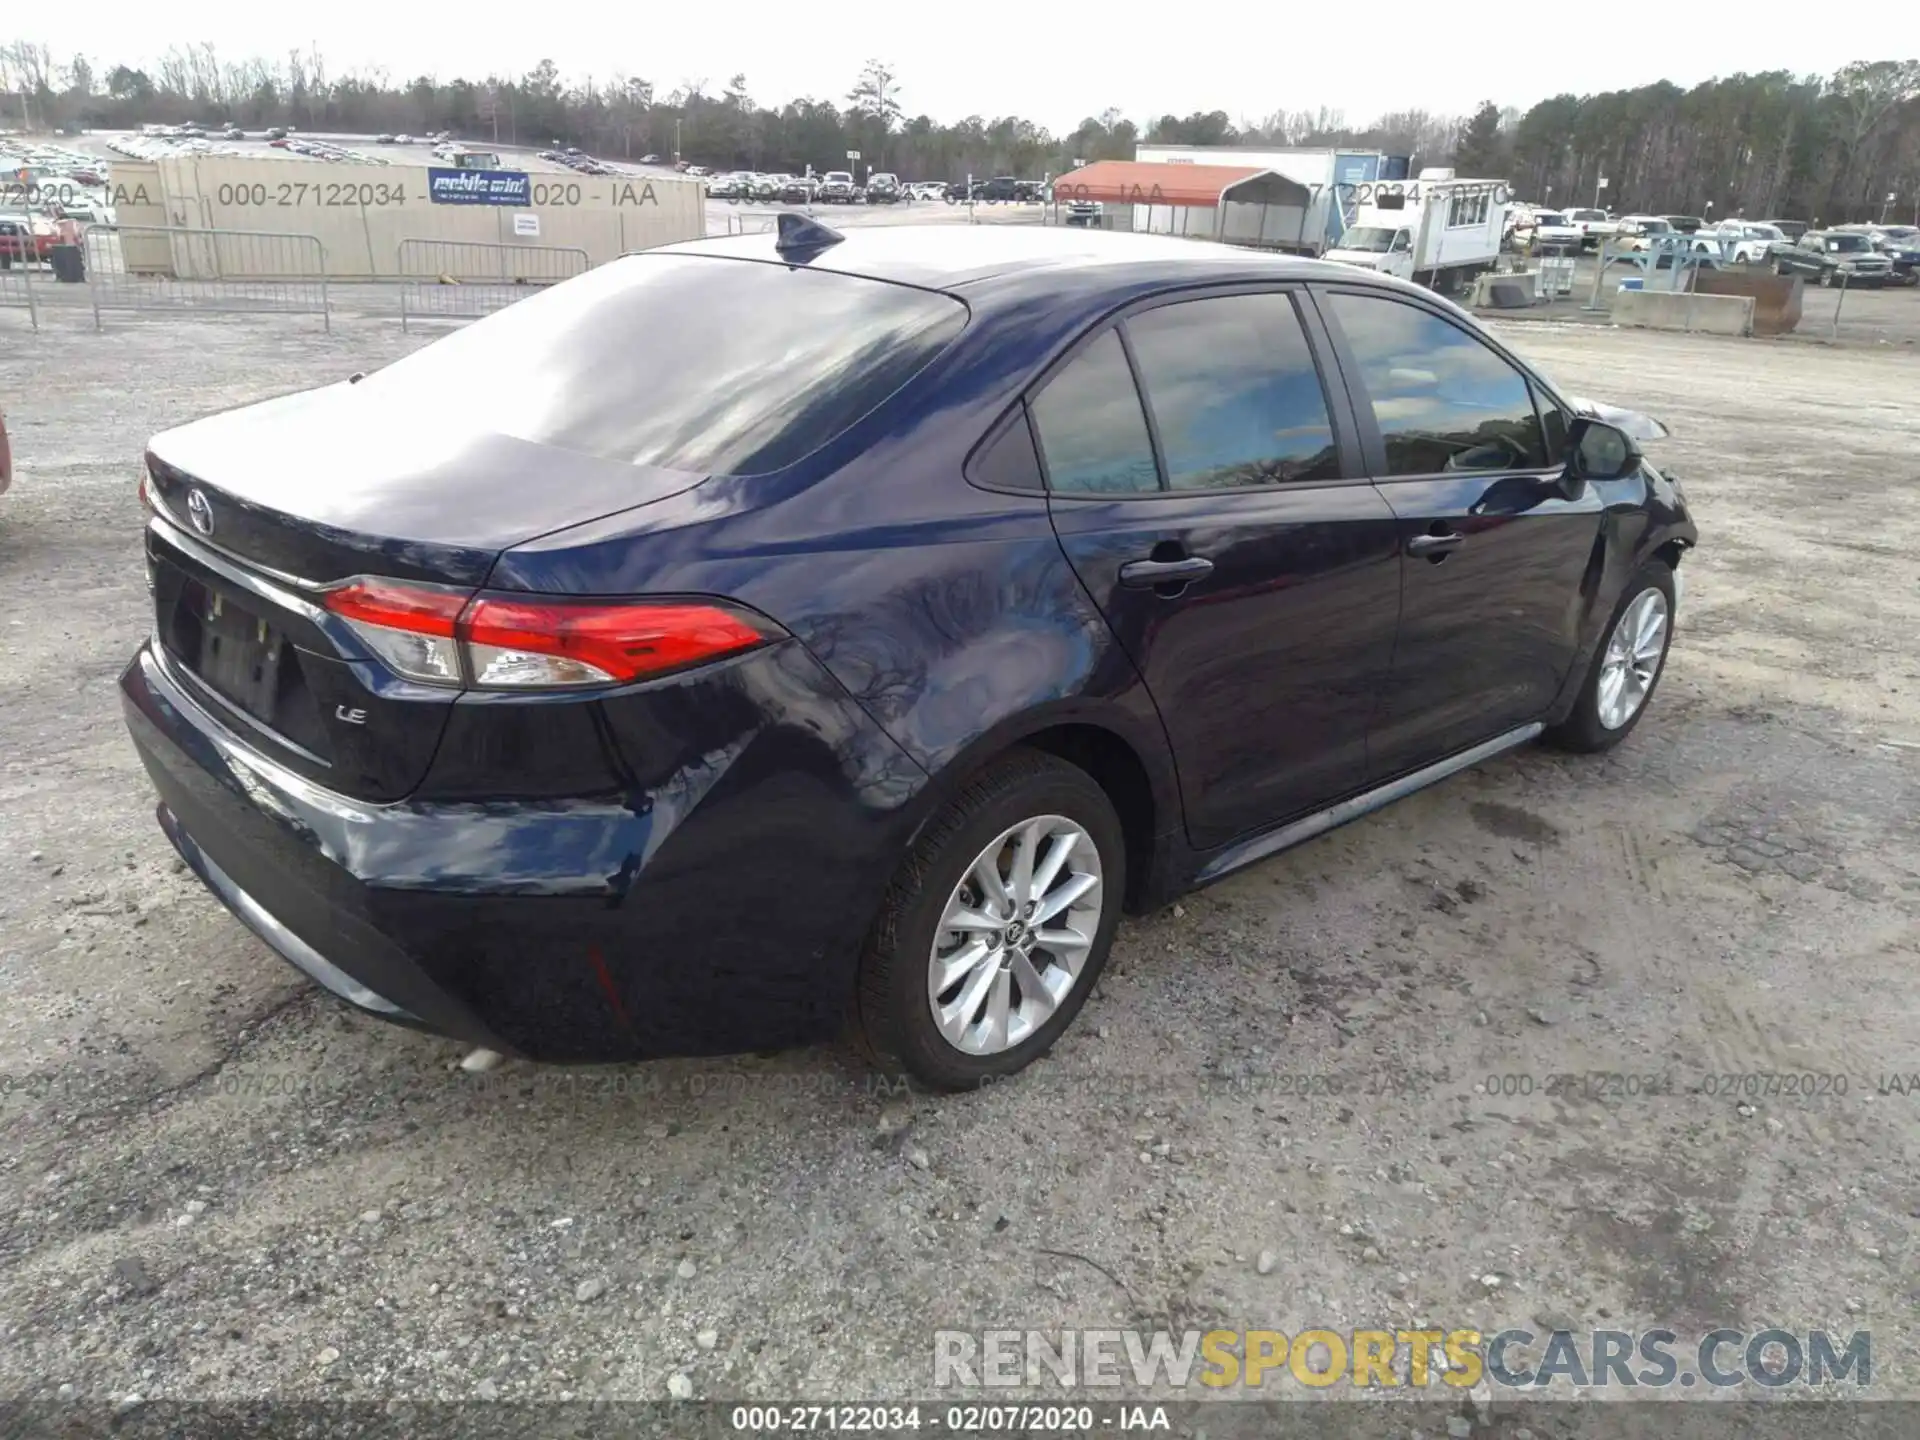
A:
{"x": 465, "y": 279}
{"x": 173, "y": 268}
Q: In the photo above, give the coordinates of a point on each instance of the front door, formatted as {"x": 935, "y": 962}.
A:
{"x": 1207, "y": 498}
{"x": 1496, "y": 540}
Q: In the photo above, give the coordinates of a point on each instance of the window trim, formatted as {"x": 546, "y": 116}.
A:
{"x": 1033, "y": 393}
{"x": 1373, "y": 442}
{"x": 1348, "y": 441}
{"x": 1015, "y": 414}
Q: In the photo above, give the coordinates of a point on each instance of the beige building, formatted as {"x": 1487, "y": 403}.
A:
{"x": 360, "y": 215}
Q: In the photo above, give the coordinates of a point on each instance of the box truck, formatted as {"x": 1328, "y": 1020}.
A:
{"x": 1437, "y": 230}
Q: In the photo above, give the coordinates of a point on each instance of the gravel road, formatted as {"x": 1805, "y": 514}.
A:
{"x": 1315, "y": 1095}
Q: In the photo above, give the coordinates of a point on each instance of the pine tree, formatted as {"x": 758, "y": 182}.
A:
{"x": 1481, "y": 153}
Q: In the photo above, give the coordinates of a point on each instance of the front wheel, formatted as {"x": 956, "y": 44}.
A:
{"x": 1621, "y": 681}
{"x": 997, "y": 926}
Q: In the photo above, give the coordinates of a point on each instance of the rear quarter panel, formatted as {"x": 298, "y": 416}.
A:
{"x": 947, "y": 611}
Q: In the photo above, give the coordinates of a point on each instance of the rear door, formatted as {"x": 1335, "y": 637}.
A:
{"x": 1210, "y": 499}
{"x": 1470, "y": 456}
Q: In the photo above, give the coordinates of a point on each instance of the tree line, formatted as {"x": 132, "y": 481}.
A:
{"x": 1831, "y": 147}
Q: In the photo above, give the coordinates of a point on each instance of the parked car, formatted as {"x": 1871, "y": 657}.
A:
{"x": 1901, "y": 245}
{"x": 25, "y": 241}
{"x": 277, "y": 132}
{"x": 1083, "y": 213}
{"x": 233, "y": 132}
{"x": 1686, "y": 224}
{"x": 1593, "y": 225}
{"x": 837, "y": 188}
{"x": 1005, "y": 188}
{"x": 385, "y": 140}
{"x": 1636, "y": 232}
{"x": 1834, "y": 256}
{"x": 798, "y": 190}
{"x": 80, "y": 212}
{"x": 643, "y": 761}
{"x": 1742, "y": 242}
{"x": 883, "y": 188}
{"x": 1553, "y": 230}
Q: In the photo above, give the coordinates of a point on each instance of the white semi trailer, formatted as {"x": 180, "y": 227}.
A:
{"x": 1437, "y": 230}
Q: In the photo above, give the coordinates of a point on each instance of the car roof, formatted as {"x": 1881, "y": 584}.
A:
{"x": 976, "y": 257}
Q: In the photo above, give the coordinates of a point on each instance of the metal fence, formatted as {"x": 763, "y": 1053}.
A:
{"x": 759, "y": 222}
{"x": 464, "y": 279}
{"x": 172, "y": 268}
{"x": 17, "y": 279}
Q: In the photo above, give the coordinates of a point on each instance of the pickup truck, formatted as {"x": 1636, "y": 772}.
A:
{"x": 1593, "y": 225}
{"x": 1552, "y": 228}
{"x": 837, "y": 188}
{"x": 1005, "y": 189}
{"x": 883, "y": 189}
{"x": 1834, "y": 257}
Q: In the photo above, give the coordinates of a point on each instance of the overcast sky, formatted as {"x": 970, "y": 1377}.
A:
{"x": 1050, "y": 63}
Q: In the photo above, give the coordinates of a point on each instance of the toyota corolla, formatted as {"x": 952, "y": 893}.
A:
{"x": 801, "y": 630}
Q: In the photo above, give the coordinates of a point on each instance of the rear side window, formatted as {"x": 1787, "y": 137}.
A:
{"x": 1008, "y": 460}
{"x": 1092, "y": 431}
{"x": 729, "y": 367}
{"x": 1234, "y": 393}
{"x": 1443, "y": 400}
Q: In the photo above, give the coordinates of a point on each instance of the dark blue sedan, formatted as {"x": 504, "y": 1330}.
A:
{"x": 760, "y": 635}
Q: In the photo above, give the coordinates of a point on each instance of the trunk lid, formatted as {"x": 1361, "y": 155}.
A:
{"x": 261, "y": 507}
{"x": 344, "y": 480}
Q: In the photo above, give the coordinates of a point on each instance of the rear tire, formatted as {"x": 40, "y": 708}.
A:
{"x": 1005, "y": 1007}
{"x": 1620, "y": 670}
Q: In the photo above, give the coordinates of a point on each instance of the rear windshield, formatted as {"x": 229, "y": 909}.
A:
{"x": 725, "y": 367}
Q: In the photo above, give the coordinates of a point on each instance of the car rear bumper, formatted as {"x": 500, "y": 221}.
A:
{"x": 718, "y": 911}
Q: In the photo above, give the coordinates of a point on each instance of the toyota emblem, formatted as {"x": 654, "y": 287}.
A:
{"x": 200, "y": 512}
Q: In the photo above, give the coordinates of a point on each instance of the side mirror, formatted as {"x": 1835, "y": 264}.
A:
{"x": 1601, "y": 451}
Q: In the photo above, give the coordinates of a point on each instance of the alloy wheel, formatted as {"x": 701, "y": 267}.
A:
{"x": 1015, "y": 935}
{"x": 1633, "y": 656}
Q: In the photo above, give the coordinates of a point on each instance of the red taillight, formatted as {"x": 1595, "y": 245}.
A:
{"x": 408, "y": 626}
{"x": 499, "y": 642}
{"x": 397, "y": 606}
{"x": 542, "y": 642}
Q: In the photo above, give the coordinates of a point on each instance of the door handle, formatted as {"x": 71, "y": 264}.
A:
{"x": 1435, "y": 547}
{"x": 1145, "y": 574}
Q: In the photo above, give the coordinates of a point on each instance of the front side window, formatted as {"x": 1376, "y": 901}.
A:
{"x": 1442, "y": 399}
{"x": 1234, "y": 393}
{"x": 1092, "y": 432}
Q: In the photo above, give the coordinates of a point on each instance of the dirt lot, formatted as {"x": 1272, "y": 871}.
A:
{"x": 217, "y": 1182}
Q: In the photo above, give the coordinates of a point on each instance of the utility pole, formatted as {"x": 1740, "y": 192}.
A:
{"x": 676, "y": 140}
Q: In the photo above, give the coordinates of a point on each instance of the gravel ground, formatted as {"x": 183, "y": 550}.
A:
{"x": 1288, "y": 1105}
